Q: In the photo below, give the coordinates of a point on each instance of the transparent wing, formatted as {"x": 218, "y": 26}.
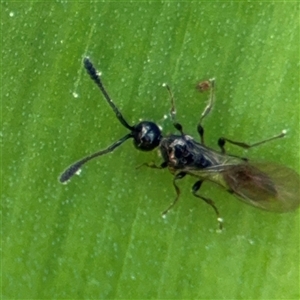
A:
{"x": 267, "y": 186}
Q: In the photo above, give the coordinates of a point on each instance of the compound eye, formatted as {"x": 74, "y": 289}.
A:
{"x": 146, "y": 136}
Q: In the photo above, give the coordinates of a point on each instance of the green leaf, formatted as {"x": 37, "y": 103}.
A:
{"x": 102, "y": 235}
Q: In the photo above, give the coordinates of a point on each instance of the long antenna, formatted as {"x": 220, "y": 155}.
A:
{"x": 96, "y": 78}
{"x": 74, "y": 168}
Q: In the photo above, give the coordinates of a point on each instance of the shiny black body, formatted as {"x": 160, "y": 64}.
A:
{"x": 264, "y": 185}
{"x": 182, "y": 152}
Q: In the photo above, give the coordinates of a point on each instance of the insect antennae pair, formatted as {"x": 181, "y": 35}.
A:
{"x": 146, "y": 135}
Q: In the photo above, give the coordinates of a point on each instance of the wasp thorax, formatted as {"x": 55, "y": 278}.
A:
{"x": 146, "y": 136}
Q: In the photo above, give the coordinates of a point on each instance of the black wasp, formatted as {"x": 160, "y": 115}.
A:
{"x": 267, "y": 186}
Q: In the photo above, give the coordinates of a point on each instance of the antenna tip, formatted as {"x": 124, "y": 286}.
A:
{"x": 71, "y": 171}
{"x": 87, "y": 63}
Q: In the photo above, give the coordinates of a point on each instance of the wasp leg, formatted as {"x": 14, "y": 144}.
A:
{"x": 176, "y": 177}
{"x": 200, "y": 130}
{"x": 153, "y": 165}
{"x": 207, "y": 109}
{"x": 177, "y": 125}
{"x": 222, "y": 141}
{"x": 196, "y": 188}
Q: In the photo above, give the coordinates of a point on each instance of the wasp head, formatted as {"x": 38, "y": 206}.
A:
{"x": 146, "y": 136}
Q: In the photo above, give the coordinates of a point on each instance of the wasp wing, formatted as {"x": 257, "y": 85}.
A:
{"x": 267, "y": 186}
